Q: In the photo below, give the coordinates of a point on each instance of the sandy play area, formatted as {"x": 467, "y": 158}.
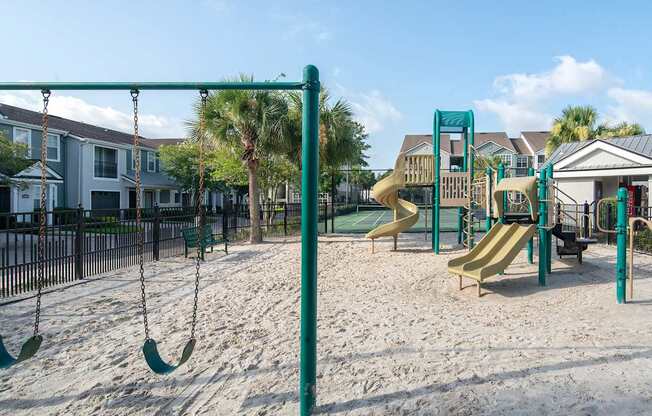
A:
{"x": 396, "y": 337}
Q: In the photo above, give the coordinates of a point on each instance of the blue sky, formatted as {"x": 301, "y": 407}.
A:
{"x": 516, "y": 64}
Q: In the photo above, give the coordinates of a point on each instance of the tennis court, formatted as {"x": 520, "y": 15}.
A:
{"x": 366, "y": 218}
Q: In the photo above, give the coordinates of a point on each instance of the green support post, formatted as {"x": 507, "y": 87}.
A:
{"x": 549, "y": 233}
{"x": 489, "y": 202}
{"x": 543, "y": 214}
{"x": 435, "y": 203}
{"x": 461, "y": 211}
{"x": 621, "y": 241}
{"x": 309, "y": 216}
{"x": 500, "y": 177}
{"x": 469, "y": 143}
{"x": 530, "y": 244}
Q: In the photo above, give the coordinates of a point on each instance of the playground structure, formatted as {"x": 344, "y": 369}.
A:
{"x": 489, "y": 197}
{"x": 310, "y": 86}
{"x": 406, "y": 214}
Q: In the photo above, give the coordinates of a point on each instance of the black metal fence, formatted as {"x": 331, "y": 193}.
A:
{"x": 81, "y": 243}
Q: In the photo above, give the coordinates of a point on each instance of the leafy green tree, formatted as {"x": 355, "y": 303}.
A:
{"x": 578, "y": 123}
{"x": 13, "y": 158}
{"x": 480, "y": 164}
{"x": 253, "y": 123}
{"x": 622, "y": 129}
{"x": 181, "y": 162}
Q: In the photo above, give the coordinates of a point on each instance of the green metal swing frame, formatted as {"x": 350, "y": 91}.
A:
{"x": 309, "y": 209}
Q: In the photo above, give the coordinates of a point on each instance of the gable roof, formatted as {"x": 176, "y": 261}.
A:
{"x": 76, "y": 128}
{"x": 536, "y": 139}
{"x": 455, "y": 147}
{"x": 520, "y": 146}
{"x": 640, "y": 145}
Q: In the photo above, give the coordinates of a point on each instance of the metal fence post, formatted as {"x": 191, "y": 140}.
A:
{"x": 585, "y": 220}
{"x": 79, "y": 238}
{"x": 609, "y": 213}
{"x": 285, "y": 219}
{"x": 156, "y": 233}
{"x": 225, "y": 220}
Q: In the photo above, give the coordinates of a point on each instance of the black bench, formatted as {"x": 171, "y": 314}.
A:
{"x": 209, "y": 239}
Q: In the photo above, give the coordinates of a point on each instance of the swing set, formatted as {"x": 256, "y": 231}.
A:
{"x": 309, "y": 213}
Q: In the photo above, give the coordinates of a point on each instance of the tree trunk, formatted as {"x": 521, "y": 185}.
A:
{"x": 255, "y": 234}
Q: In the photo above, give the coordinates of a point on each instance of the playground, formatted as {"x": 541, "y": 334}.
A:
{"x": 396, "y": 336}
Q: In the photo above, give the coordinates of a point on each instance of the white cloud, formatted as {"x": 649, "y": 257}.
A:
{"x": 522, "y": 99}
{"x": 568, "y": 77}
{"x": 74, "y": 108}
{"x": 634, "y": 106}
{"x": 515, "y": 117}
{"x": 371, "y": 109}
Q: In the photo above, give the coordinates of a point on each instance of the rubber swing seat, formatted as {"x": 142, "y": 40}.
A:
{"x": 27, "y": 351}
{"x": 156, "y": 363}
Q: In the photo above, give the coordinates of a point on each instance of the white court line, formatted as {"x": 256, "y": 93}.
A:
{"x": 382, "y": 214}
{"x": 364, "y": 218}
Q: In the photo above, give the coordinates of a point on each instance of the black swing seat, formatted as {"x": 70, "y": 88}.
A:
{"x": 156, "y": 363}
{"x": 27, "y": 351}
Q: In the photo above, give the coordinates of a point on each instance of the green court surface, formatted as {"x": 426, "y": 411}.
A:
{"x": 365, "y": 220}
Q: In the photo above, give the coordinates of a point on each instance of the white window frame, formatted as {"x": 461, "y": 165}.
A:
{"x": 117, "y": 170}
{"x": 133, "y": 161}
{"x": 504, "y": 157}
{"x": 151, "y": 154}
{"x": 29, "y": 139}
{"x": 521, "y": 158}
{"x": 58, "y": 159}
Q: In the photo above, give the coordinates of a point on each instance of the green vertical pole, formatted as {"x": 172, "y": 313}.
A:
{"x": 530, "y": 244}
{"x": 309, "y": 206}
{"x": 460, "y": 211}
{"x": 500, "y": 177}
{"x": 543, "y": 214}
{"x": 435, "y": 203}
{"x": 489, "y": 200}
{"x": 621, "y": 241}
{"x": 549, "y": 233}
{"x": 469, "y": 163}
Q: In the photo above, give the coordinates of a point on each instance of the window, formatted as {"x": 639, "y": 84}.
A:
{"x": 133, "y": 161}
{"x": 521, "y": 162}
{"x": 36, "y": 197}
{"x": 23, "y": 136}
{"x": 151, "y": 162}
{"x": 541, "y": 159}
{"x": 506, "y": 160}
{"x": 164, "y": 196}
{"x": 177, "y": 197}
{"x": 54, "y": 147}
{"x": 106, "y": 163}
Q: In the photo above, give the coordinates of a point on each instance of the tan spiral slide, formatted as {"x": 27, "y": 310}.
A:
{"x": 406, "y": 214}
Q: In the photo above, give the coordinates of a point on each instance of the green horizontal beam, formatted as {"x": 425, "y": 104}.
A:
{"x": 53, "y": 86}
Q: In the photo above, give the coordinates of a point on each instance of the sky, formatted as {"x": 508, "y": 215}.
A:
{"x": 516, "y": 64}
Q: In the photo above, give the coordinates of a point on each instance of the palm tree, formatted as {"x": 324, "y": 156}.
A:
{"x": 578, "y": 123}
{"x": 622, "y": 129}
{"x": 251, "y": 122}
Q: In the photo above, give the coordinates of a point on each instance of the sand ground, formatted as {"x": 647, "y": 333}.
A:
{"x": 396, "y": 337}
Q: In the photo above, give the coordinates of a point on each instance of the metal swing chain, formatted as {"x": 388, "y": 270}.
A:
{"x": 43, "y": 211}
{"x": 200, "y": 209}
{"x": 141, "y": 233}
